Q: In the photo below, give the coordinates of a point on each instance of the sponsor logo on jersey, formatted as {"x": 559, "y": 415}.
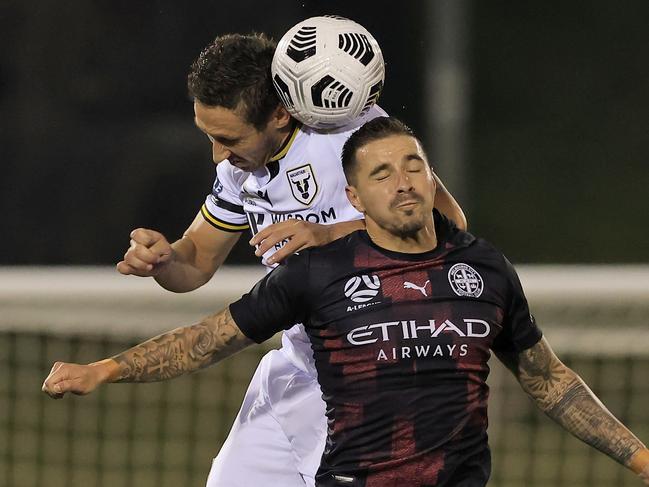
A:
{"x": 303, "y": 183}
{"x": 405, "y": 330}
{"x": 410, "y": 330}
{"x": 323, "y": 217}
{"x": 361, "y": 289}
{"x": 465, "y": 280}
{"x": 421, "y": 289}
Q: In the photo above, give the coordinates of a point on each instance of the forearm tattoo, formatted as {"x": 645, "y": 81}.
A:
{"x": 182, "y": 350}
{"x": 565, "y": 398}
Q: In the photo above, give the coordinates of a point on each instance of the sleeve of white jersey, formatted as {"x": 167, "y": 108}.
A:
{"x": 222, "y": 207}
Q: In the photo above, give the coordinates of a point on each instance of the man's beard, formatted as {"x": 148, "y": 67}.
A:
{"x": 407, "y": 230}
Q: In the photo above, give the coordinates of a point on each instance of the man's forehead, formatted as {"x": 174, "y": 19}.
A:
{"x": 219, "y": 120}
{"x": 391, "y": 148}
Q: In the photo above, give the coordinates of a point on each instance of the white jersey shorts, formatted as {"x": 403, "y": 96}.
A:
{"x": 279, "y": 434}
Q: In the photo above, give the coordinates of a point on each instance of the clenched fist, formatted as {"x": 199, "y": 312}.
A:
{"x": 75, "y": 378}
{"x": 147, "y": 255}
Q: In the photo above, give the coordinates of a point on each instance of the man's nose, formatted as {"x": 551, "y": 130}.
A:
{"x": 404, "y": 182}
{"x": 220, "y": 152}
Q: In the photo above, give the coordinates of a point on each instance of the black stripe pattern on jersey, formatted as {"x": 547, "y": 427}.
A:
{"x": 222, "y": 224}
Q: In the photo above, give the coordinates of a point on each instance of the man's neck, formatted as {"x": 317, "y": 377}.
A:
{"x": 424, "y": 240}
{"x": 283, "y": 137}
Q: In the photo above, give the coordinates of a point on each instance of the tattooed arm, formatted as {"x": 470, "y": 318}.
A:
{"x": 563, "y": 396}
{"x": 166, "y": 356}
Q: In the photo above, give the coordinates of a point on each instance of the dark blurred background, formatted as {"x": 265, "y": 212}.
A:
{"x": 550, "y": 136}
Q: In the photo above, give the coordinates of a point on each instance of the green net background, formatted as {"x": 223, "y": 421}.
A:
{"x": 166, "y": 434}
{"x": 161, "y": 434}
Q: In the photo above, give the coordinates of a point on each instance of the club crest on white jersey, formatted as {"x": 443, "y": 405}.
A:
{"x": 304, "y": 185}
{"x": 465, "y": 280}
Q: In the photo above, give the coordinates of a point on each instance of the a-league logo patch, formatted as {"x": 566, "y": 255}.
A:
{"x": 465, "y": 280}
{"x": 361, "y": 289}
{"x": 303, "y": 183}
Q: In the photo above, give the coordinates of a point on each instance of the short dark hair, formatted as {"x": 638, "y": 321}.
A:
{"x": 234, "y": 72}
{"x": 375, "y": 129}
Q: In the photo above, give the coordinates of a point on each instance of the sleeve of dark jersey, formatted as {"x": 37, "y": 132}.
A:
{"x": 520, "y": 330}
{"x": 275, "y": 303}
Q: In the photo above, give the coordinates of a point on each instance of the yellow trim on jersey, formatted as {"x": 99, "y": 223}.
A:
{"x": 287, "y": 145}
{"x": 228, "y": 227}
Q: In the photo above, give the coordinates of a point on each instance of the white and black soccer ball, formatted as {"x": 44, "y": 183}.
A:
{"x": 328, "y": 71}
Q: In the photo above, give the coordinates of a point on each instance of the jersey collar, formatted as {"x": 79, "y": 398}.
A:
{"x": 283, "y": 150}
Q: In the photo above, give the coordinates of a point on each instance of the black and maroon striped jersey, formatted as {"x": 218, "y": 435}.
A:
{"x": 401, "y": 344}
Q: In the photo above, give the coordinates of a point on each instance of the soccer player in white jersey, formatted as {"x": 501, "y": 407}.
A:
{"x": 270, "y": 169}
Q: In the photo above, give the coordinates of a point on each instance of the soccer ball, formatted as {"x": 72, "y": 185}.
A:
{"x": 328, "y": 71}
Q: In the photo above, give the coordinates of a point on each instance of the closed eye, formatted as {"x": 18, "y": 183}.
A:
{"x": 227, "y": 142}
{"x": 222, "y": 140}
{"x": 414, "y": 164}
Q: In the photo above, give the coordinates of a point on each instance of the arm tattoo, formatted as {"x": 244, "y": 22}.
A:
{"x": 563, "y": 396}
{"x": 182, "y": 350}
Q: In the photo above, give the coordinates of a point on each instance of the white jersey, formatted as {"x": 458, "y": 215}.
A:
{"x": 304, "y": 180}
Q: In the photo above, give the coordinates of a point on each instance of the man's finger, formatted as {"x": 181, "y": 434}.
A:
{"x": 271, "y": 241}
{"x": 144, "y": 254}
{"x": 127, "y": 270}
{"x": 123, "y": 268}
{"x": 69, "y": 385}
{"x": 58, "y": 389}
{"x": 161, "y": 249}
{"x": 275, "y": 227}
{"x": 292, "y": 246}
{"x": 145, "y": 236}
{"x": 52, "y": 394}
{"x": 139, "y": 265}
{"x": 50, "y": 385}
{"x": 56, "y": 366}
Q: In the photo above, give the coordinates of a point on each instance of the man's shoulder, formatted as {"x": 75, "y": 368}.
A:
{"x": 229, "y": 174}
{"x": 483, "y": 253}
{"x": 334, "y": 254}
{"x": 345, "y": 243}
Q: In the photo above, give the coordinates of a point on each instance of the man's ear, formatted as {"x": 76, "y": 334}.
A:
{"x": 434, "y": 179}
{"x": 352, "y": 196}
{"x": 281, "y": 118}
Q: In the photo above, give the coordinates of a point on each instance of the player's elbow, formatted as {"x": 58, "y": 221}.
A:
{"x": 556, "y": 391}
{"x": 185, "y": 284}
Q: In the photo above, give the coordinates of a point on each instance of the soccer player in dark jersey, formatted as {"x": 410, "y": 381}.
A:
{"x": 402, "y": 318}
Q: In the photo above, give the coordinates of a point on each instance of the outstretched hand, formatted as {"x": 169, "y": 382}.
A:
{"x": 297, "y": 235}
{"x": 147, "y": 255}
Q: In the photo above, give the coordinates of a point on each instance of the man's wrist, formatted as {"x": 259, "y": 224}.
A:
{"x": 165, "y": 272}
{"x": 639, "y": 462}
{"x": 342, "y": 229}
{"x": 108, "y": 370}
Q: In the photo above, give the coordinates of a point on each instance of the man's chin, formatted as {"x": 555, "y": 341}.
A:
{"x": 408, "y": 229}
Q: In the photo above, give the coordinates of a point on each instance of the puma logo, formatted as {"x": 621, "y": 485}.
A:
{"x": 422, "y": 289}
